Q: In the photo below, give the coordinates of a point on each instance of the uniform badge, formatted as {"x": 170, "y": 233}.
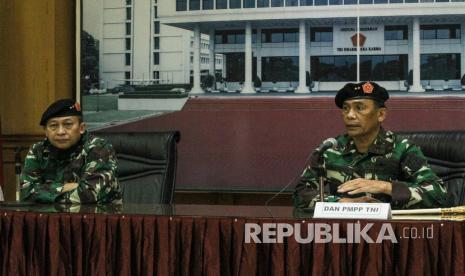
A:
{"x": 367, "y": 88}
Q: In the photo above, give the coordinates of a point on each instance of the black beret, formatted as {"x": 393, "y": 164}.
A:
{"x": 362, "y": 90}
{"x": 61, "y": 108}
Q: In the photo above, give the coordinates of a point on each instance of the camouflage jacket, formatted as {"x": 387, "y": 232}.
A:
{"x": 414, "y": 184}
{"x": 91, "y": 163}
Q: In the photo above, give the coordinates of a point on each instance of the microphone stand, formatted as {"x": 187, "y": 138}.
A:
{"x": 320, "y": 171}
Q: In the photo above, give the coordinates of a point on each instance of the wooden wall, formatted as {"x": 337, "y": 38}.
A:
{"x": 37, "y": 66}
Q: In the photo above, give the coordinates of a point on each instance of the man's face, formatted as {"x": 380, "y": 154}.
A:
{"x": 362, "y": 117}
{"x": 64, "y": 132}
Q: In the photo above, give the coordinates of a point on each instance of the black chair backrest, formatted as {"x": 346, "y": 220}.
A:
{"x": 146, "y": 164}
{"x": 445, "y": 151}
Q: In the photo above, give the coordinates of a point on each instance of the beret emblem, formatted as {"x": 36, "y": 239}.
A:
{"x": 367, "y": 88}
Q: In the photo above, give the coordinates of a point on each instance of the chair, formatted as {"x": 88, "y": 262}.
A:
{"x": 445, "y": 151}
{"x": 146, "y": 165}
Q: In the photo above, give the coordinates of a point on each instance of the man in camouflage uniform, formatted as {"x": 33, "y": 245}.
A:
{"x": 369, "y": 163}
{"x": 69, "y": 165}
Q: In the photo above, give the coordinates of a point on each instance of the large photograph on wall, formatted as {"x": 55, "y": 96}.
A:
{"x": 251, "y": 83}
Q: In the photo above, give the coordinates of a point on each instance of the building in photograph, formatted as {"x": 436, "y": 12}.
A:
{"x": 284, "y": 42}
{"x": 135, "y": 48}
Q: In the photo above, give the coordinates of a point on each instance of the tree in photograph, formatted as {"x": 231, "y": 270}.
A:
{"x": 89, "y": 61}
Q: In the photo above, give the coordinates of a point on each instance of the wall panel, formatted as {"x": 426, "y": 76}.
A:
{"x": 37, "y": 61}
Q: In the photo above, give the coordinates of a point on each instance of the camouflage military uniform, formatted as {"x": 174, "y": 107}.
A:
{"x": 91, "y": 163}
{"x": 414, "y": 184}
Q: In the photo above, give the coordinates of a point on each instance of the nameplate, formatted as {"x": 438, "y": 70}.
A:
{"x": 352, "y": 210}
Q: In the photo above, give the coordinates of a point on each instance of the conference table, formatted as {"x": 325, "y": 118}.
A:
{"x": 138, "y": 239}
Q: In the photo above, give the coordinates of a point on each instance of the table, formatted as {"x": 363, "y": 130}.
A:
{"x": 210, "y": 240}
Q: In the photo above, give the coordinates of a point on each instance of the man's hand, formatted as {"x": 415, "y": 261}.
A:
{"x": 69, "y": 187}
{"x": 361, "y": 185}
{"x": 366, "y": 199}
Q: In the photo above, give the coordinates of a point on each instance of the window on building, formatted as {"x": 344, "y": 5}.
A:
{"x": 128, "y": 43}
{"x": 428, "y": 34}
{"x": 156, "y": 76}
{"x": 291, "y": 3}
{"x": 127, "y": 59}
{"x": 399, "y": 32}
{"x": 280, "y": 35}
{"x": 277, "y": 3}
{"x": 221, "y": 4}
{"x": 230, "y": 37}
{"x": 234, "y": 4}
{"x": 335, "y": 2}
{"x": 127, "y": 77}
{"x": 306, "y": 2}
{"x": 155, "y": 12}
{"x": 280, "y": 68}
{"x": 240, "y": 37}
{"x": 235, "y": 66}
{"x": 156, "y": 27}
{"x": 380, "y": 1}
{"x": 219, "y": 38}
{"x": 249, "y": 3}
{"x": 383, "y": 67}
{"x": 128, "y": 28}
{"x": 365, "y": 1}
{"x": 334, "y": 68}
{"x": 128, "y": 2}
{"x": 207, "y": 4}
{"x": 321, "y": 34}
{"x": 446, "y": 31}
{"x": 354, "y": 2}
{"x": 396, "y": 1}
{"x": 372, "y": 67}
{"x": 291, "y": 35}
{"x": 263, "y": 3}
{"x": 449, "y": 64}
{"x": 194, "y": 5}
{"x": 181, "y": 5}
{"x": 156, "y": 43}
{"x": 321, "y": 2}
{"x": 128, "y": 13}
{"x": 156, "y": 58}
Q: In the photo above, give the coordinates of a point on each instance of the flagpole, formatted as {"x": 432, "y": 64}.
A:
{"x": 358, "y": 43}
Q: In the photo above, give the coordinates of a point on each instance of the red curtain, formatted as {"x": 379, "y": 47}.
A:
{"x": 98, "y": 244}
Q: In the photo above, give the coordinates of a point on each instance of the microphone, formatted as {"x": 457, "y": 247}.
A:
{"x": 318, "y": 162}
{"x": 327, "y": 144}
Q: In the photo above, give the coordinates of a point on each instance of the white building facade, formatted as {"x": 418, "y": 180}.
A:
{"x": 286, "y": 42}
{"x": 135, "y": 48}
